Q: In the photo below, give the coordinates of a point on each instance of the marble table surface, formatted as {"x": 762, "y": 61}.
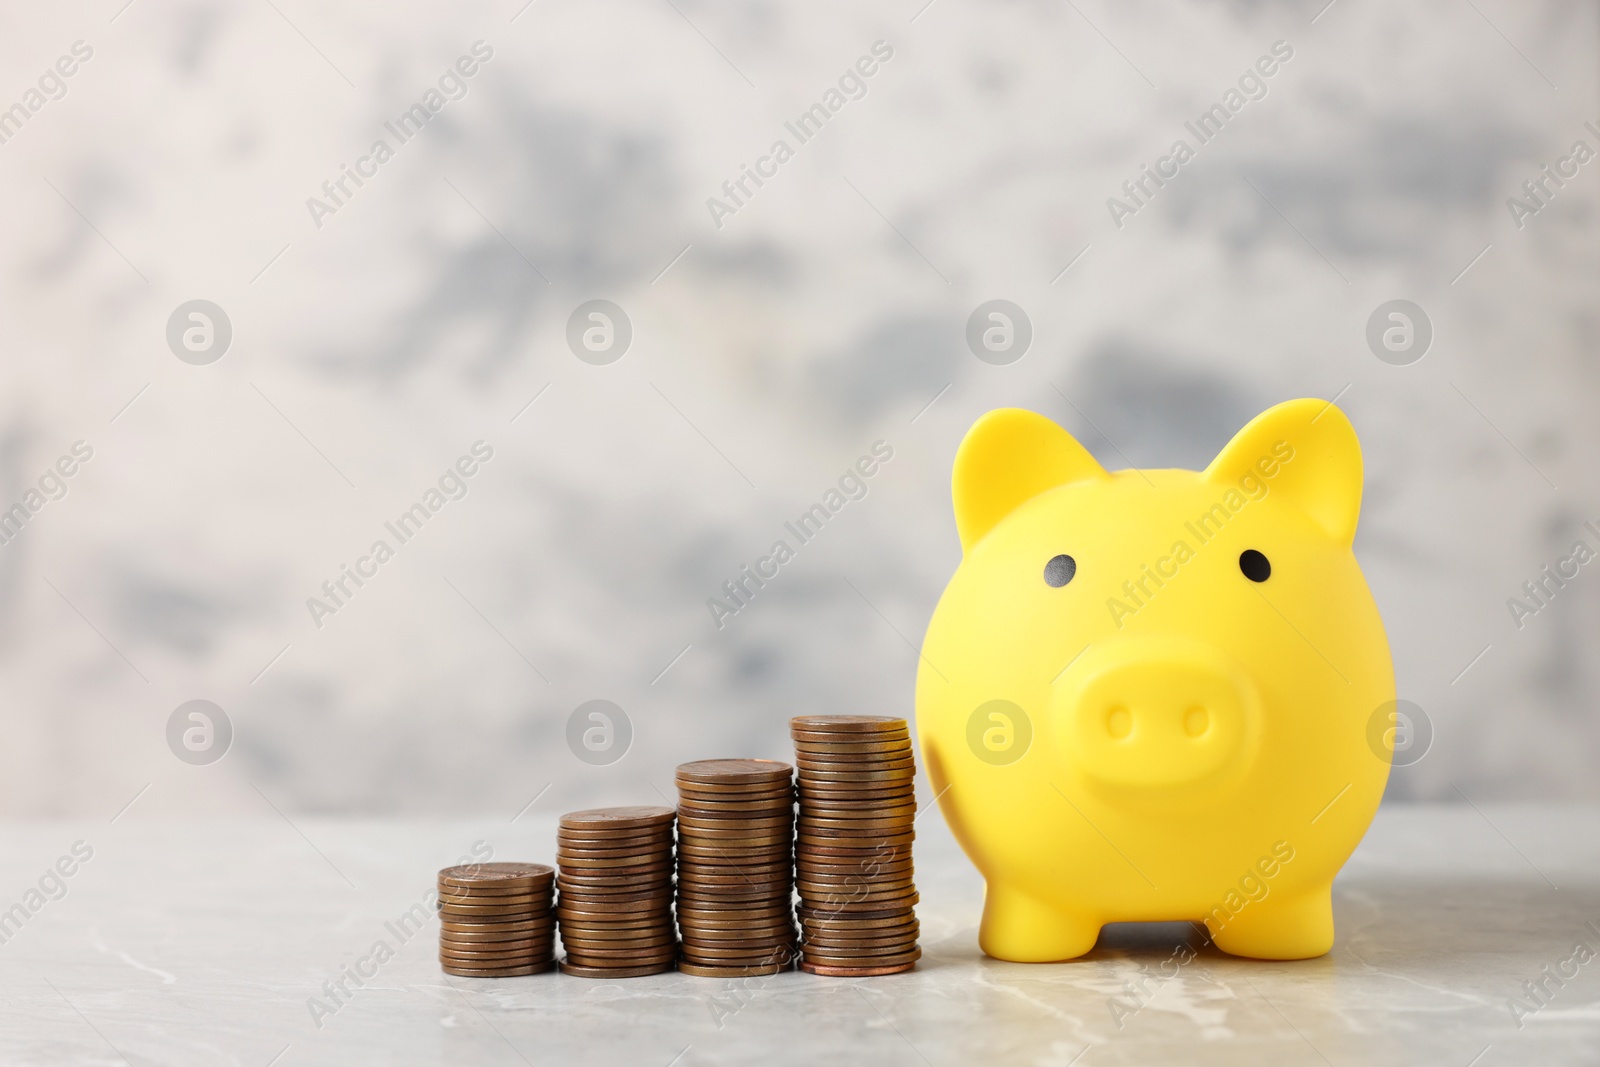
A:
{"x": 205, "y": 942}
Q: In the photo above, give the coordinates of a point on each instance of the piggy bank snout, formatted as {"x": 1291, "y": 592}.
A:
{"x": 1158, "y": 715}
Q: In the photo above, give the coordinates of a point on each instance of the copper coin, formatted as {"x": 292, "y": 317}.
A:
{"x": 825, "y": 793}
{"x": 839, "y": 761}
{"x": 871, "y": 807}
{"x": 882, "y": 960}
{"x": 717, "y": 771}
{"x": 613, "y": 879}
{"x": 619, "y": 923}
{"x": 841, "y": 745}
{"x": 897, "y": 774}
{"x": 607, "y": 945}
{"x": 857, "y": 898}
{"x": 489, "y": 894}
{"x": 867, "y": 867}
{"x": 466, "y": 941}
{"x": 852, "y": 723}
{"x": 610, "y": 851}
{"x": 773, "y": 909}
{"x": 736, "y": 913}
{"x": 532, "y": 954}
{"x": 596, "y": 834}
{"x": 735, "y": 874}
{"x": 854, "y": 827}
{"x": 755, "y": 955}
{"x": 847, "y": 925}
{"x": 693, "y": 826}
{"x": 643, "y": 861}
{"x": 624, "y": 958}
{"x": 863, "y": 938}
{"x": 477, "y": 947}
{"x": 615, "y": 894}
{"x": 824, "y": 919}
{"x": 694, "y": 895}
{"x": 706, "y": 941}
{"x": 734, "y": 790}
{"x": 774, "y": 798}
{"x": 707, "y": 853}
{"x": 721, "y": 857}
{"x": 703, "y": 970}
{"x": 489, "y": 929}
{"x": 496, "y": 972}
{"x": 529, "y": 940}
{"x": 505, "y": 874}
{"x": 494, "y": 912}
{"x": 620, "y": 818}
{"x": 855, "y": 972}
{"x": 579, "y": 971}
{"x": 580, "y": 906}
{"x": 528, "y": 903}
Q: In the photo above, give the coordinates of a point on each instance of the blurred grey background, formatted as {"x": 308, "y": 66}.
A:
{"x": 372, "y": 346}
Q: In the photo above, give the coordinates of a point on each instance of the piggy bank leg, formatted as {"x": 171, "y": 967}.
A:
{"x": 1281, "y": 927}
{"x": 1019, "y": 928}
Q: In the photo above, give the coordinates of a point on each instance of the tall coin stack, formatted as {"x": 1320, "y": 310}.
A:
{"x": 736, "y": 867}
{"x": 853, "y": 844}
{"x": 615, "y": 882}
{"x": 495, "y": 919}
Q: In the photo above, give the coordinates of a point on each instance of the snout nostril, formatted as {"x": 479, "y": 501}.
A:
{"x": 1119, "y": 722}
{"x": 1196, "y": 721}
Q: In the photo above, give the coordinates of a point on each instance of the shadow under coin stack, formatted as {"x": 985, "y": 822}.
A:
{"x": 736, "y": 867}
{"x": 853, "y": 845}
{"x": 495, "y": 919}
{"x": 615, "y": 904}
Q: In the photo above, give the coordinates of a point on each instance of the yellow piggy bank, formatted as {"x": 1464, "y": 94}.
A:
{"x": 1149, "y": 695}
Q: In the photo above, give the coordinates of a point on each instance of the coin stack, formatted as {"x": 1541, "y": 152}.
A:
{"x": 853, "y": 844}
{"x": 615, "y": 905}
{"x": 736, "y": 867}
{"x": 495, "y": 919}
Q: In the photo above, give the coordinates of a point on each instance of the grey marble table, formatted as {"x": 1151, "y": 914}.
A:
{"x": 206, "y": 942}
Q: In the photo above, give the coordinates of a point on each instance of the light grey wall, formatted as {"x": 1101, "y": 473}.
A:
{"x": 826, "y": 314}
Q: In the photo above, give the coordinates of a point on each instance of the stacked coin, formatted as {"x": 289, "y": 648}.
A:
{"x": 615, "y": 905}
{"x": 495, "y": 919}
{"x": 736, "y": 867}
{"x": 853, "y": 844}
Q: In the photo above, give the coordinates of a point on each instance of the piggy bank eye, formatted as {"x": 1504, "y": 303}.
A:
{"x": 1255, "y": 566}
{"x": 1059, "y": 571}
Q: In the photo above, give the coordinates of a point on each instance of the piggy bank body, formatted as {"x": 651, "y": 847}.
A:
{"x": 1149, "y": 695}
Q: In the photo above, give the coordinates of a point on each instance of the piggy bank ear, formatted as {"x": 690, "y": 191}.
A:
{"x": 1306, "y": 453}
{"x": 1008, "y": 457}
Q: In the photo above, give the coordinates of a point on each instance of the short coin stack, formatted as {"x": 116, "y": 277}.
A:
{"x": 495, "y": 919}
{"x": 615, "y": 905}
{"x": 736, "y": 867}
{"x": 853, "y": 844}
